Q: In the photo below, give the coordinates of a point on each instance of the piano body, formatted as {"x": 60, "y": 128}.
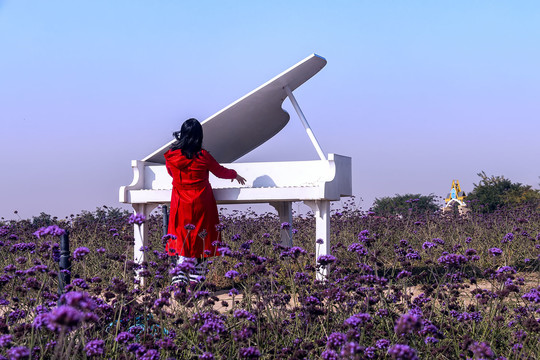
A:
{"x": 233, "y": 132}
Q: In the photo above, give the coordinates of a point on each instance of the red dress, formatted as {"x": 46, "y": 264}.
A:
{"x": 193, "y": 202}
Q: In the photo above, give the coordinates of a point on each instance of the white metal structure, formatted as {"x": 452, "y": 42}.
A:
{"x": 233, "y": 132}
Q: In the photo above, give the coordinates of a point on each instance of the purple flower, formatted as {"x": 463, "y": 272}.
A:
{"x": 326, "y": 259}
{"x": 213, "y": 325}
{"x": 231, "y": 274}
{"x": 428, "y": 245}
{"x": 41, "y": 320}
{"x": 293, "y": 252}
{"x": 243, "y": 334}
{"x": 495, "y": 251}
{"x": 138, "y": 219}
{"x": 413, "y": 255}
{"x": 207, "y": 356}
{"x": 187, "y": 266}
{"x": 80, "y": 283}
{"x": 49, "y": 230}
{"x": 124, "y": 337}
{"x": 225, "y": 251}
{"x": 80, "y": 253}
{"x": 311, "y": 301}
{"x": 507, "y": 238}
{"x": 403, "y": 274}
{"x": 65, "y": 316}
{"x": 189, "y": 227}
{"x": 470, "y": 252}
{"x": 370, "y": 352}
{"x": 233, "y": 292}
{"x": 249, "y": 353}
{"x": 329, "y": 355}
{"x": 505, "y": 269}
{"x": 136, "y": 348}
{"x": 407, "y": 323}
{"x": 285, "y": 225}
{"x": 335, "y": 340}
{"x": 350, "y": 350}
{"x": 79, "y": 299}
{"x": 382, "y": 344}
{"x": 151, "y": 354}
{"x": 481, "y": 350}
{"x": 320, "y": 241}
{"x": 358, "y": 248}
{"x": 452, "y": 259}
{"x": 533, "y": 296}
{"x": 94, "y": 347}
{"x": 402, "y": 352}
{"x": 19, "y": 353}
{"x": 5, "y": 340}
{"x": 357, "y": 319}
{"x": 244, "y": 314}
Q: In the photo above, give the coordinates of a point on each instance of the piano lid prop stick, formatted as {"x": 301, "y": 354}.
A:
{"x": 305, "y": 123}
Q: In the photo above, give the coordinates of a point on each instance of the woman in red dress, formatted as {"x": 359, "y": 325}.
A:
{"x": 193, "y": 214}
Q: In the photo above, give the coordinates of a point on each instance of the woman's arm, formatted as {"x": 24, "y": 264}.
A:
{"x": 218, "y": 170}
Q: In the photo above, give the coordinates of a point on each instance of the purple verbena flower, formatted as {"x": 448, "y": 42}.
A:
{"x": 65, "y": 316}
{"x": 53, "y": 230}
{"x": 350, "y": 350}
{"x": 507, "y": 238}
{"x": 407, "y": 323}
{"x": 151, "y": 354}
{"x": 137, "y": 219}
{"x": 79, "y": 299}
{"x": 495, "y": 251}
{"x": 358, "y": 248}
{"x": 357, "y": 319}
{"x": 19, "y": 353}
{"x": 185, "y": 267}
{"x": 249, "y": 353}
{"x": 326, "y": 259}
{"x": 402, "y": 352}
{"x": 452, "y": 259}
{"x": 533, "y": 295}
{"x": 329, "y": 354}
{"x": 124, "y": 337}
{"x": 403, "y": 274}
{"x": 244, "y": 314}
{"x": 382, "y": 343}
{"x": 335, "y": 340}
{"x": 80, "y": 253}
{"x": 95, "y": 347}
{"x": 231, "y": 274}
{"x": 5, "y": 340}
{"x": 481, "y": 350}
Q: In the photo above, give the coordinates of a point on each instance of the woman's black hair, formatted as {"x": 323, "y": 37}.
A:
{"x": 189, "y": 138}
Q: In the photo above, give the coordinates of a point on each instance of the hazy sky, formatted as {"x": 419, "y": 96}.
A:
{"x": 416, "y": 92}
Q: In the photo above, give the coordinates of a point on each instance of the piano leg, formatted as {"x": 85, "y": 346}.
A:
{"x": 284, "y": 209}
{"x": 321, "y": 209}
{"x": 141, "y": 234}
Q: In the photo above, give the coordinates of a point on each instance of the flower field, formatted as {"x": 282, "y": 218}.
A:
{"x": 417, "y": 287}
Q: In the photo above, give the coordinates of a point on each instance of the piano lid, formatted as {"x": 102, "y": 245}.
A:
{"x": 253, "y": 119}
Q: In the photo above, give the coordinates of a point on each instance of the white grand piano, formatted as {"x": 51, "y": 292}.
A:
{"x": 233, "y": 132}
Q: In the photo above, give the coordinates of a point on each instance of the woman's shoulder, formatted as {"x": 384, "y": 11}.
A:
{"x": 173, "y": 153}
{"x": 205, "y": 153}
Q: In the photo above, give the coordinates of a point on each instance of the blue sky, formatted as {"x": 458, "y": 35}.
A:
{"x": 417, "y": 93}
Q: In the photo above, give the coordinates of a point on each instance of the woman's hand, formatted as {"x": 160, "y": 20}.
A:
{"x": 240, "y": 179}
